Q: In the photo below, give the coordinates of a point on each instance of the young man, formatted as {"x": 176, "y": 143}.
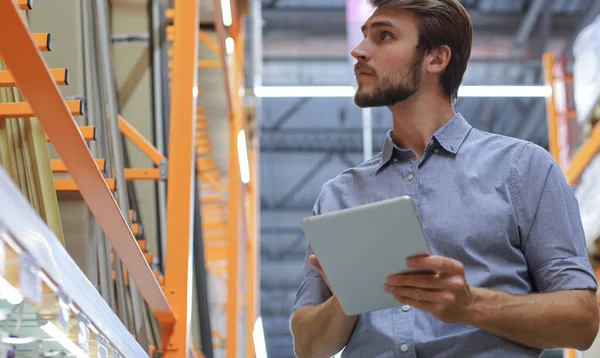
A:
{"x": 512, "y": 276}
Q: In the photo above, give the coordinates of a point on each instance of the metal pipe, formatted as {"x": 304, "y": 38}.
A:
{"x": 98, "y": 147}
{"x": 115, "y": 163}
{"x": 117, "y": 149}
{"x": 201, "y": 278}
{"x": 157, "y": 100}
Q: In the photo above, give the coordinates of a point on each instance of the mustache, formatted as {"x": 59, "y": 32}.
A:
{"x": 361, "y": 66}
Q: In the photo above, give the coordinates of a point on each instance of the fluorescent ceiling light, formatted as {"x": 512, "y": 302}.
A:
{"x": 63, "y": 340}
{"x": 9, "y": 293}
{"x": 243, "y": 157}
{"x": 226, "y": 12}
{"x": 229, "y": 45}
{"x": 348, "y": 91}
{"x": 258, "y": 334}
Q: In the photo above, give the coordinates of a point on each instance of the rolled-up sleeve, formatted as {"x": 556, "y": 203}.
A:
{"x": 313, "y": 290}
{"x": 552, "y": 236}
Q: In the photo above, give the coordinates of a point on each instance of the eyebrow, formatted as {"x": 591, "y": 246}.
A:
{"x": 377, "y": 24}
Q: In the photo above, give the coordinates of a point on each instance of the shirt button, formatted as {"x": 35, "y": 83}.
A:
{"x": 436, "y": 151}
{"x": 411, "y": 176}
{"x": 404, "y": 347}
{"x": 395, "y": 160}
{"x": 405, "y": 308}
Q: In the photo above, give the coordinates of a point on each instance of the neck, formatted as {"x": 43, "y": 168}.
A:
{"x": 416, "y": 119}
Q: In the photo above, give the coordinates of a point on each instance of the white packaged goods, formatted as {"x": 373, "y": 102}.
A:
{"x": 588, "y": 195}
{"x": 586, "y": 70}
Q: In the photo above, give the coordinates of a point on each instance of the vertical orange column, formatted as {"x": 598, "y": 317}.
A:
{"x": 552, "y": 117}
{"x": 233, "y": 230}
{"x": 178, "y": 263}
{"x": 252, "y": 253}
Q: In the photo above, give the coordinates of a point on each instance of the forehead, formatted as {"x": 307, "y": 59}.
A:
{"x": 399, "y": 19}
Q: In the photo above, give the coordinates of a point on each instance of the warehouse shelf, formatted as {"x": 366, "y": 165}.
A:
{"x": 36, "y": 269}
{"x": 93, "y": 163}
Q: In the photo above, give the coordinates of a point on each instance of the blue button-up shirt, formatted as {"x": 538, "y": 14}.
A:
{"x": 499, "y": 205}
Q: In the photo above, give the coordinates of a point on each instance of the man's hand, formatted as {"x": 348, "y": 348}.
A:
{"x": 445, "y": 293}
{"x": 312, "y": 259}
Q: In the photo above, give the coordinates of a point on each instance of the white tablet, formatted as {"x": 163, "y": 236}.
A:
{"x": 359, "y": 247}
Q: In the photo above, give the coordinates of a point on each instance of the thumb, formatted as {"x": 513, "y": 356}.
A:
{"x": 312, "y": 259}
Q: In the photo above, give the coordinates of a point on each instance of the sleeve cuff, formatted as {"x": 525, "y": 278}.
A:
{"x": 572, "y": 273}
{"x": 313, "y": 291}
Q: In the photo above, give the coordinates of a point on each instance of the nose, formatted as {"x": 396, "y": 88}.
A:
{"x": 360, "y": 53}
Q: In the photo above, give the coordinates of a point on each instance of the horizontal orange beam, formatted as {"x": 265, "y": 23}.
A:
{"x": 209, "y": 63}
{"x": 58, "y": 166}
{"x": 23, "y": 109}
{"x": 584, "y": 156}
{"x": 25, "y": 4}
{"x": 135, "y": 229}
{"x": 222, "y": 238}
{"x": 215, "y": 225}
{"x": 43, "y": 41}
{"x": 216, "y": 252}
{"x": 211, "y": 199}
{"x": 143, "y": 244}
{"x": 60, "y": 76}
{"x": 203, "y": 150}
{"x": 170, "y": 14}
{"x": 88, "y": 133}
{"x": 131, "y": 215}
{"x": 69, "y": 184}
{"x": 142, "y": 174}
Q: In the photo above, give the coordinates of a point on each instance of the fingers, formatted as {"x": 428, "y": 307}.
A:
{"x": 430, "y": 281}
{"x": 436, "y": 263}
{"x": 419, "y": 294}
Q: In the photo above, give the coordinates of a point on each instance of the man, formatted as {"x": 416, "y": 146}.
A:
{"x": 512, "y": 276}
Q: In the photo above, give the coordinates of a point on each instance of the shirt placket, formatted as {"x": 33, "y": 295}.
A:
{"x": 404, "y": 316}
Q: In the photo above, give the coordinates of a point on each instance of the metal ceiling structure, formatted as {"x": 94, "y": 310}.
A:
{"x": 307, "y": 141}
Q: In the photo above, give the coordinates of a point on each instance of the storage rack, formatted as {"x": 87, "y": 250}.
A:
{"x": 95, "y": 161}
{"x": 560, "y": 121}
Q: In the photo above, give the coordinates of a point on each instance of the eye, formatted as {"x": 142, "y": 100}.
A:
{"x": 385, "y": 35}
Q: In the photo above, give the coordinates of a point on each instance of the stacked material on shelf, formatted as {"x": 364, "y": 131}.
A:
{"x": 25, "y": 156}
{"x": 586, "y": 73}
{"x": 588, "y": 195}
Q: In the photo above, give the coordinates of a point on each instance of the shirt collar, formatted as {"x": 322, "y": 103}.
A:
{"x": 450, "y": 137}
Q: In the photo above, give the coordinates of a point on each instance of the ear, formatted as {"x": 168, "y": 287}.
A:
{"x": 438, "y": 59}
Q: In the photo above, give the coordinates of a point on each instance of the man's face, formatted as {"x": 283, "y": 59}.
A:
{"x": 388, "y": 68}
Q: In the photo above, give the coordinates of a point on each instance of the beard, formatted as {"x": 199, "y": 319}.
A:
{"x": 394, "y": 88}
